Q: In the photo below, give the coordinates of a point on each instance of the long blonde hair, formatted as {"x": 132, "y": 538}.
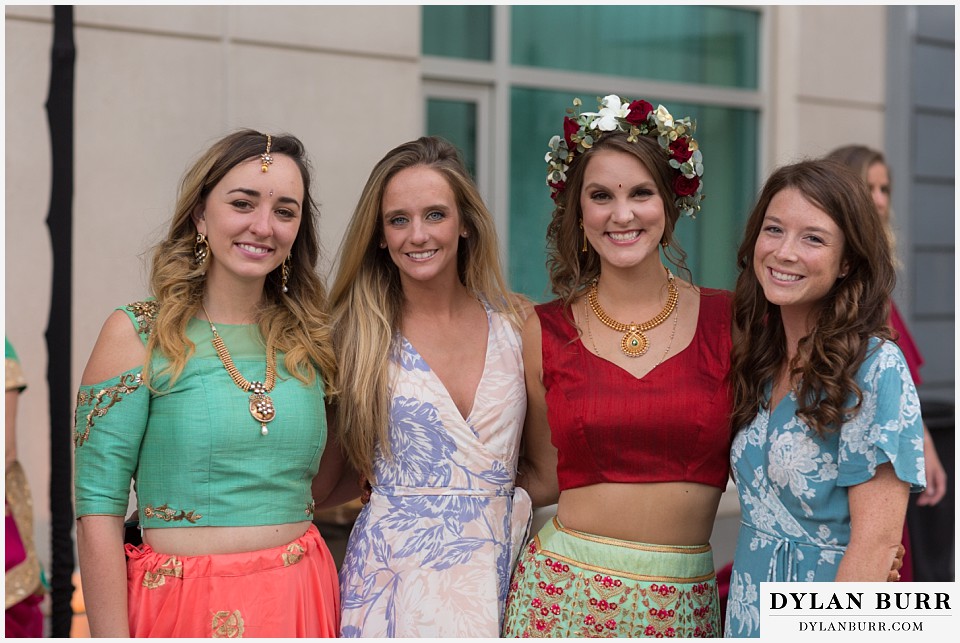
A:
{"x": 367, "y": 297}
{"x": 295, "y": 321}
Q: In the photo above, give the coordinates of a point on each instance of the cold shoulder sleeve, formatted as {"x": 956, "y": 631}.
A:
{"x": 888, "y": 427}
{"x": 14, "y": 378}
{"x": 109, "y": 424}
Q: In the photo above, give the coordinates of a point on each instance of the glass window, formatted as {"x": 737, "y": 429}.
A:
{"x": 728, "y": 140}
{"x": 455, "y": 121}
{"x": 684, "y": 44}
{"x": 458, "y": 31}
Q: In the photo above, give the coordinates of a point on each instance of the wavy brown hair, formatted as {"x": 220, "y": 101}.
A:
{"x": 571, "y": 269}
{"x": 854, "y": 311}
{"x": 296, "y": 322}
{"x": 367, "y": 297}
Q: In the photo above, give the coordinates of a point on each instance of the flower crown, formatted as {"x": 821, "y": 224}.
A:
{"x": 637, "y": 118}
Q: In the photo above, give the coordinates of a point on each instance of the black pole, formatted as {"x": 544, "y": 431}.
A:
{"x": 61, "y": 395}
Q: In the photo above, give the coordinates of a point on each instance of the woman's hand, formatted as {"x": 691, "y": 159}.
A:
{"x": 936, "y": 474}
{"x": 894, "y": 575}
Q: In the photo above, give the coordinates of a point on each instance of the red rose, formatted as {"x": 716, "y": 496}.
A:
{"x": 638, "y": 112}
{"x": 570, "y": 127}
{"x": 557, "y": 186}
{"x": 680, "y": 149}
{"x": 682, "y": 186}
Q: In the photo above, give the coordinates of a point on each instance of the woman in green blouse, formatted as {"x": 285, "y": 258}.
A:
{"x": 210, "y": 397}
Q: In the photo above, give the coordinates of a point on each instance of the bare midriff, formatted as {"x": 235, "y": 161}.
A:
{"x": 203, "y": 541}
{"x": 661, "y": 513}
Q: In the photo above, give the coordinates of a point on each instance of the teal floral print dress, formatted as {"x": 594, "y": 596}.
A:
{"x": 793, "y": 484}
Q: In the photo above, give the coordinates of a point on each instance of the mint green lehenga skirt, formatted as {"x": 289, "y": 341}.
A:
{"x": 573, "y": 584}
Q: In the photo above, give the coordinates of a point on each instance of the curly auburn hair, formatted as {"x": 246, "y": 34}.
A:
{"x": 854, "y": 311}
{"x": 296, "y": 322}
{"x": 572, "y": 270}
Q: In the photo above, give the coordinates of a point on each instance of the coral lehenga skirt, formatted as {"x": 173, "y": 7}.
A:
{"x": 573, "y": 584}
{"x": 286, "y": 591}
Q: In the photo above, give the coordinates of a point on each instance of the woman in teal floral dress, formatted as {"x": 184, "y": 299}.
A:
{"x": 829, "y": 440}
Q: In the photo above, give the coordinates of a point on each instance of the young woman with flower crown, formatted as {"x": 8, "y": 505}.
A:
{"x": 829, "y": 438}
{"x": 431, "y": 402}
{"x": 628, "y": 411}
{"x": 211, "y": 396}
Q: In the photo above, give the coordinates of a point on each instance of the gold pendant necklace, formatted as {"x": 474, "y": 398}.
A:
{"x": 261, "y": 406}
{"x": 634, "y": 342}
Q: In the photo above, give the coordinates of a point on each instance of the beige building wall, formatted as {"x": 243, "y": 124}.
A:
{"x": 826, "y": 87}
{"x": 156, "y": 85}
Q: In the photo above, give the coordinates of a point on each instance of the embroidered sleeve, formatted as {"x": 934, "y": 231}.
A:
{"x": 110, "y": 420}
{"x": 888, "y": 427}
{"x": 109, "y": 423}
{"x": 15, "y": 379}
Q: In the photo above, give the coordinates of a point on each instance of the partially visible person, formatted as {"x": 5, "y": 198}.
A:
{"x": 871, "y": 166}
{"x": 431, "y": 402}
{"x": 210, "y": 396}
{"x": 627, "y": 426}
{"x": 828, "y": 442}
{"x": 23, "y": 585}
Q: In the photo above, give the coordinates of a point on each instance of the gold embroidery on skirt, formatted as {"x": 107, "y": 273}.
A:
{"x": 294, "y": 554}
{"x": 166, "y": 514}
{"x": 227, "y": 625}
{"x": 170, "y": 567}
{"x": 23, "y": 579}
{"x": 113, "y": 394}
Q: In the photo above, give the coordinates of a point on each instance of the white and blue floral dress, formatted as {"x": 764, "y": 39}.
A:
{"x": 432, "y": 552}
{"x": 794, "y": 510}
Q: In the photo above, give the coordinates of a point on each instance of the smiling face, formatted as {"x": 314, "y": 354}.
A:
{"x": 798, "y": 255}
{"x": 421, "y": 225}
{"x": 251, "y": 219}
{"x": 623, "y": 213}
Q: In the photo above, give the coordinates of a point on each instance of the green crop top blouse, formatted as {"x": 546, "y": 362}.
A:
{"x": 194, "y": 451}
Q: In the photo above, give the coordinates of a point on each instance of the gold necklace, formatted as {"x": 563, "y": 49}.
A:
{"x": 673, "y": 332}
{"x": 634, "y": 342}
{"x": 261, "y": 406}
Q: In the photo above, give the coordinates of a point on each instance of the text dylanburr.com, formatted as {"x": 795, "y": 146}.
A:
{"x": 858, "y": 611}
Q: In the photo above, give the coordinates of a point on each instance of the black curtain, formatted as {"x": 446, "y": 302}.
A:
{"x": 60, "y": 221}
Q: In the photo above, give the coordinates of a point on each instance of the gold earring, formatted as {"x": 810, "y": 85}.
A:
{"x": 583, "y": 248}
{"x": 285, "y": 272}
{"x": 201, "y": 249}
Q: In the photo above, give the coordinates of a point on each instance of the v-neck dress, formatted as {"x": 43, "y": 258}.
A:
{"x": 431, "y": 554}
{"x": 793, "y": 485}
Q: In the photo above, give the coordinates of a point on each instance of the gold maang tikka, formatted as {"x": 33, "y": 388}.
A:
{"x": 265, "y": 158}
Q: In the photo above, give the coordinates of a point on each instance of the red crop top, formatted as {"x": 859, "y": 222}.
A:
{"x": 670, "y": 425}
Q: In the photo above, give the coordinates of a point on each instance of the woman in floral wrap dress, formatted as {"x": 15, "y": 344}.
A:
{"x": 431, "y": 402}
{"x": 830, "y": 439}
